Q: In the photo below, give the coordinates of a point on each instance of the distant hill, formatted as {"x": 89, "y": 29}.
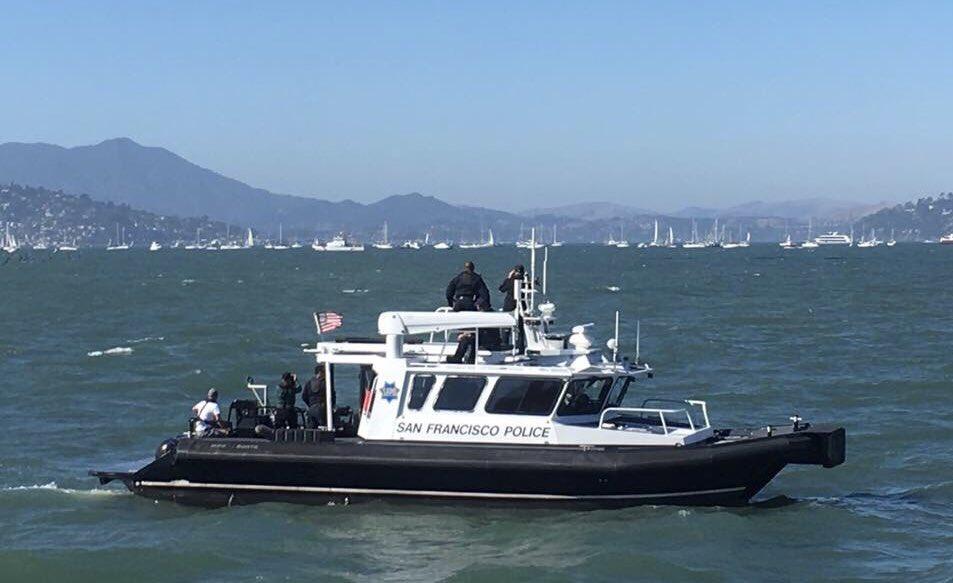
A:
{"x": 926, "y": 218}
{"x": 157, "y": 180}
{"x": 38, "y": 215}
{"x": 589, "y": 211}
{"x": 823, "y": 210}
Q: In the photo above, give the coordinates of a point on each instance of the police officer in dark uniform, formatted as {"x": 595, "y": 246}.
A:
{"x": 467, "y": 289}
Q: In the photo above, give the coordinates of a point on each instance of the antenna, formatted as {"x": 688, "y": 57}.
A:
{"x": 615, "y": 345}
{"x": 545, "y": 267}
{"x": 638, "y": 337}
{"x": 532, "y": 269}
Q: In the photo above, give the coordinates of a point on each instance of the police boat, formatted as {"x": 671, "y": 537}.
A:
{"x": 531, "y": 416}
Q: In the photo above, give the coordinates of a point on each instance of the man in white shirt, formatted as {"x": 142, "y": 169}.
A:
{"x": 208, "y": 414}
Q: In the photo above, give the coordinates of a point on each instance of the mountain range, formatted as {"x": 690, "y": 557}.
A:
{"x": 155, "y": 180}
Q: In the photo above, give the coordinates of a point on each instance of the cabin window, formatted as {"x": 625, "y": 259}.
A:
{"x": 521, "y": 396}
{"x": 585, "y": 396}
{"x": 619, "y": 389}
{"x": 419, "y": 390}
{"x": 459, "y": 393}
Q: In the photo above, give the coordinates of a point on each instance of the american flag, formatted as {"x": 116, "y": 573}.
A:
{"x": 327, "y": 321}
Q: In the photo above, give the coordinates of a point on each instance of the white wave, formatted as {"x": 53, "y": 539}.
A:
{"x": 146, "y": 339}
{"x": 52, "y": 487}
{"x": 354, "y": 291}
{"x": 115, "y": 351}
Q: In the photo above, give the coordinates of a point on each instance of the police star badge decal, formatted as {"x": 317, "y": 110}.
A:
{"x": 389, "y": 392}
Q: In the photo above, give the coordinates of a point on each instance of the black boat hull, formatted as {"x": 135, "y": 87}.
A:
{"x": 229, "y": 471}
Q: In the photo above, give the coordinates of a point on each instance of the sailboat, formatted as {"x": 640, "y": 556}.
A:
{"x": 670, "y": 242}
{"x": 892, "y": 241}
{"x": 70, "y": 247}
{"x": 249, "y": 239}
{"x": 694, "y": 243}
{"x": 740, "y": 243}
{"x": 810, "y": 243}
{"x": 533, "y": 244}
{"x": 655, "y": 241}
{"x": 483, "y": 244}
{"x": 9, "y": 241}
{"x": 280, "y": 246}
{"x": 229, "y": 245}
{"x": 872, "y": 242}
{"x": 556, "y": 242}
{"x": 383, "y": 243}
{"x": 622, "y": 243}
{"x": 197, "y": 245}
{"x": 121, "y": 241}
{"x": 154, "y": 246}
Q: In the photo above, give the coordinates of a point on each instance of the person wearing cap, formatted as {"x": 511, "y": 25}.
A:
{"x": 208, "y": 414}
{"x": 467, "y": 289}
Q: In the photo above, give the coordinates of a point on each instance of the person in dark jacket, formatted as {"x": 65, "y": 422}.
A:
{"x": 466, "y": 289}
{"x": 314, "y": 396}
{"x": 518, "y": 273}
{"x": 288, "y": 390}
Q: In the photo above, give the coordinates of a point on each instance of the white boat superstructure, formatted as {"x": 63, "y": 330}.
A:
{"x": 554, "y": 391}
{"x": 834, "y": 238}
{"x": 154, "y": 246}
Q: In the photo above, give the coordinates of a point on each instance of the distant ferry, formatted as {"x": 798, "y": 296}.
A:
{"x": 834, "y": 238}
{"x": 946, "y": 239}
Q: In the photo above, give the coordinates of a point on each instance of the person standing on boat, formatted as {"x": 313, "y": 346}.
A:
{"x": 288, "y": 389}
{"x": 208, "y": 415}
{"x": 314, "y": 396}
{"x": 466, "y": 289}
{"x": 518, "y": 273}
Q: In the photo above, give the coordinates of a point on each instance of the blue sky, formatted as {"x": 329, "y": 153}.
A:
{"x": 511, "y": 104}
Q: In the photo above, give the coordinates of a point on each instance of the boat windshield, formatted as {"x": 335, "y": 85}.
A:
{"x": 585, "y": 396}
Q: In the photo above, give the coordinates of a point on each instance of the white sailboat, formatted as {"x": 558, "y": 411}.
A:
{"x": 9, "y": 241}
{"x": 694, "y": 243}
{"x": 788, "y": 243}
{"x": 229, "y": 245}
{"x": 280, "y": 246}
{"x": 622, "y": 243}
{"x": 121, "y": 241}
{"x": 249, "y": 239}
{"x": 443, "y": 245}
{"x": 869, "y": 243}
{"x": 655, "y": 240}
{"x": 556, "y": 242}
{"x": 670, "y": 242}
{"x": 893, "y": 240}
{"x": 154, "y": 246}
{"x": 483, "y": 244}
{"x": 810, "y": 243}
{"x": 197, "y": 245}
{"x": 383, "y": 243}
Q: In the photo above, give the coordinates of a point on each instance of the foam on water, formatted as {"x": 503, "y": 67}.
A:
{"x": 116, "y": 351}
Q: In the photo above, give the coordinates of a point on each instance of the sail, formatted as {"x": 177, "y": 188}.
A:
{"x": 490, "y": 241}
{"x": 249, "y": 239}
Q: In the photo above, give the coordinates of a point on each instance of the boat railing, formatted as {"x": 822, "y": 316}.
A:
{"x": 668, "y": 419}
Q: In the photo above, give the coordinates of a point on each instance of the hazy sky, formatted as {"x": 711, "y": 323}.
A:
{"x": 508, "y": 104}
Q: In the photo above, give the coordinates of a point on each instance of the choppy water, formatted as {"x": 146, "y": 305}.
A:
{"x": 860, "y": 337}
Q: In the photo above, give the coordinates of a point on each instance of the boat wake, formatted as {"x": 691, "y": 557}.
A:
{"x": 53, "y": 487}
{"x": 116, "y": 351}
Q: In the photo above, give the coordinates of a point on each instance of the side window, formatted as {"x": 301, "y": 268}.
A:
{"x": 419, "y": 391}
{"x": 585, "y": 397}
{"x": 459, "y": 393}
{"x": 521, "y": 396}
{"x": 619, "y": 389}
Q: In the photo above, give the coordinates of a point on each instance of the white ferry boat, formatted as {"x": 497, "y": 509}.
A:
{"x": 946, "y": 239}
{"x": 543, "y": 420}
{"x": 834, "y": 238}
{"x": 338, "y": 243}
